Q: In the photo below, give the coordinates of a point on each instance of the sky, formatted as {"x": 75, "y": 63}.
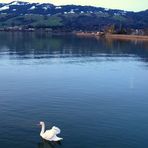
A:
{"x": 131, "y": 5}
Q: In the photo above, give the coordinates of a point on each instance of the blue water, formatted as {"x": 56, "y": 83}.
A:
{"x": 94, "y": 90}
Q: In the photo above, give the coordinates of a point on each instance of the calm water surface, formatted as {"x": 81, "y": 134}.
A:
{"x": 96, "y": 91}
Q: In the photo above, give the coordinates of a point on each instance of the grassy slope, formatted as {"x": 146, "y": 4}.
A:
{"x": 32, "y": 19}
{"x": 56, "y": 20}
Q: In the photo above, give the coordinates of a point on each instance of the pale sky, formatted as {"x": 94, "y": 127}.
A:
{"x": 133, "y": 5}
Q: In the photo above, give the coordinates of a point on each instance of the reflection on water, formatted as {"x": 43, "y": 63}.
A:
{"x": 94, "y": 90}
{"x": 31, "y": 45}
{"x": 47, "y": 144}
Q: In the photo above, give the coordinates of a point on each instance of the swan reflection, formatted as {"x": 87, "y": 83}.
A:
{"x": 48, "y": 144}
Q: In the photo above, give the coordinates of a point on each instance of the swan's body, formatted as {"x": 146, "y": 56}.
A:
{"x": 50, "y": 135}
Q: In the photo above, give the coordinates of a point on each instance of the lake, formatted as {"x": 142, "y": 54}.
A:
{"x": 94, "y": 90}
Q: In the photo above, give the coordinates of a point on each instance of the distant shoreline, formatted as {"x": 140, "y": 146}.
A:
{"x": 89, "y": 34}
{"x": 114, "y": 36}
{"x": 126, "y": 37}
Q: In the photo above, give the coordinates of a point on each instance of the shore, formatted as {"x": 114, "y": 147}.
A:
{"x": 113, "y": 36}
{"x": 126, "y": 37}
{"x": 89, "y": 34}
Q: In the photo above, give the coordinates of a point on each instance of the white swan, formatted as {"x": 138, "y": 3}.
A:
{"x": 50, "y": 135}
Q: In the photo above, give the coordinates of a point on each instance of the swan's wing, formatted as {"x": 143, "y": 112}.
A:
{"x": 48, "y": 134}
{"x": 51, "y": 134}
{"x": 55, "y": 138}
{"x": 56, "y": 129}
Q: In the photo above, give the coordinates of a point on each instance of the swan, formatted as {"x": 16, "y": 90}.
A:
{"x": 50, "y": 135}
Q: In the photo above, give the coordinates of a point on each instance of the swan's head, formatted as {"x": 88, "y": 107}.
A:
{"x": 41, "y": 123}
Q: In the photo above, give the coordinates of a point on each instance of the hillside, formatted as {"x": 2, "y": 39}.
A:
{"x": 68, "y": 17}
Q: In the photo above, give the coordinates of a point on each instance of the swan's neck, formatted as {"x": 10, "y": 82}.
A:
{"x": 42, "y": 129}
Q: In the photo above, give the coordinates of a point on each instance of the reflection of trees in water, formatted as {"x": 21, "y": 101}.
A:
{"x": 129, "y": 48}
{"x": 48, "y": 144}
{"x": 36, "y": 44}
